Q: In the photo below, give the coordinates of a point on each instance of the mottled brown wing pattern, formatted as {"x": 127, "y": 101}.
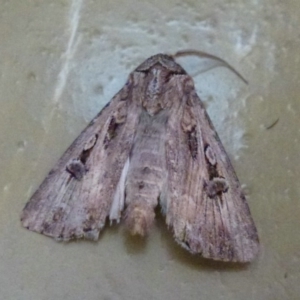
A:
{"x": 153, "y": 141}
{"x": 76, "y": 196}
{"x": 205, "y": 204}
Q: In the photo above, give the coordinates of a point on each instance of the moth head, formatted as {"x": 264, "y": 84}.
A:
{"x": 163, "y": 61}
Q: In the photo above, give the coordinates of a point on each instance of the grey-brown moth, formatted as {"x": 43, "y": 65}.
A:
{"x": 152, "y": 144}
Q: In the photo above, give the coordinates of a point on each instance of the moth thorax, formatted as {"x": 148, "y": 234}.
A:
{"x": 156, "y": 82}
{"x": 139, "y": 219}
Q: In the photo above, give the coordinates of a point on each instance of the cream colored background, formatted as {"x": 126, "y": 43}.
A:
{"x": 61, "y": 61}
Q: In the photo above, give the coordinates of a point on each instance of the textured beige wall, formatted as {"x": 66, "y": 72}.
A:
{"x": 62, "y": 61}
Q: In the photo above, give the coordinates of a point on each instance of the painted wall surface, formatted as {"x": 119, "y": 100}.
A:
{"x": 62, "y": 61}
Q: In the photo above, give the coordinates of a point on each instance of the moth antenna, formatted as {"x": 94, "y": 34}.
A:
{"x": 272, "y": 125}
{"x": 211, "y": 56}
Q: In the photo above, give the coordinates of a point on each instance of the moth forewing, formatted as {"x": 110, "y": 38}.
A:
{"x": 207, "y": 208}
{"x": 67, "y": 205}
{"x": 153, "y": 143}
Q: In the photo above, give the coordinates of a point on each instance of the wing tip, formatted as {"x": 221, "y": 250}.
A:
{"x": 60, "y": 234}
{"x": 229, "y": 254}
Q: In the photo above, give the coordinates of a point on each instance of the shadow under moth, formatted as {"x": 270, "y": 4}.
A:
{"x": 153, "y": 143}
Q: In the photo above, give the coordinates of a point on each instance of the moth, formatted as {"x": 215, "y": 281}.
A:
{"x": 152, "y": 144}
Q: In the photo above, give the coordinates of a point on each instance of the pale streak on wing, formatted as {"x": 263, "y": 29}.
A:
{"x": 119, "y": 196}
{"x": 221, "y": 227}
{"x": 64, "y": 207}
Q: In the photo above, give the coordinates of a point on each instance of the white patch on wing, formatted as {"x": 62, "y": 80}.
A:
{"x": 119, "y": 196}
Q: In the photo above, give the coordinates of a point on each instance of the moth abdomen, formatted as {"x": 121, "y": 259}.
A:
{"x": 139, "y": 218}
{"x": 143, "y": 188}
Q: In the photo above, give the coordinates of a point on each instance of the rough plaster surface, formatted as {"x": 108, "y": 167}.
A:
{"x": 62, "y": 61}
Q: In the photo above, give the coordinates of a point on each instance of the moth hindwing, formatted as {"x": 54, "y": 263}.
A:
{"x": 152, "y": 144}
